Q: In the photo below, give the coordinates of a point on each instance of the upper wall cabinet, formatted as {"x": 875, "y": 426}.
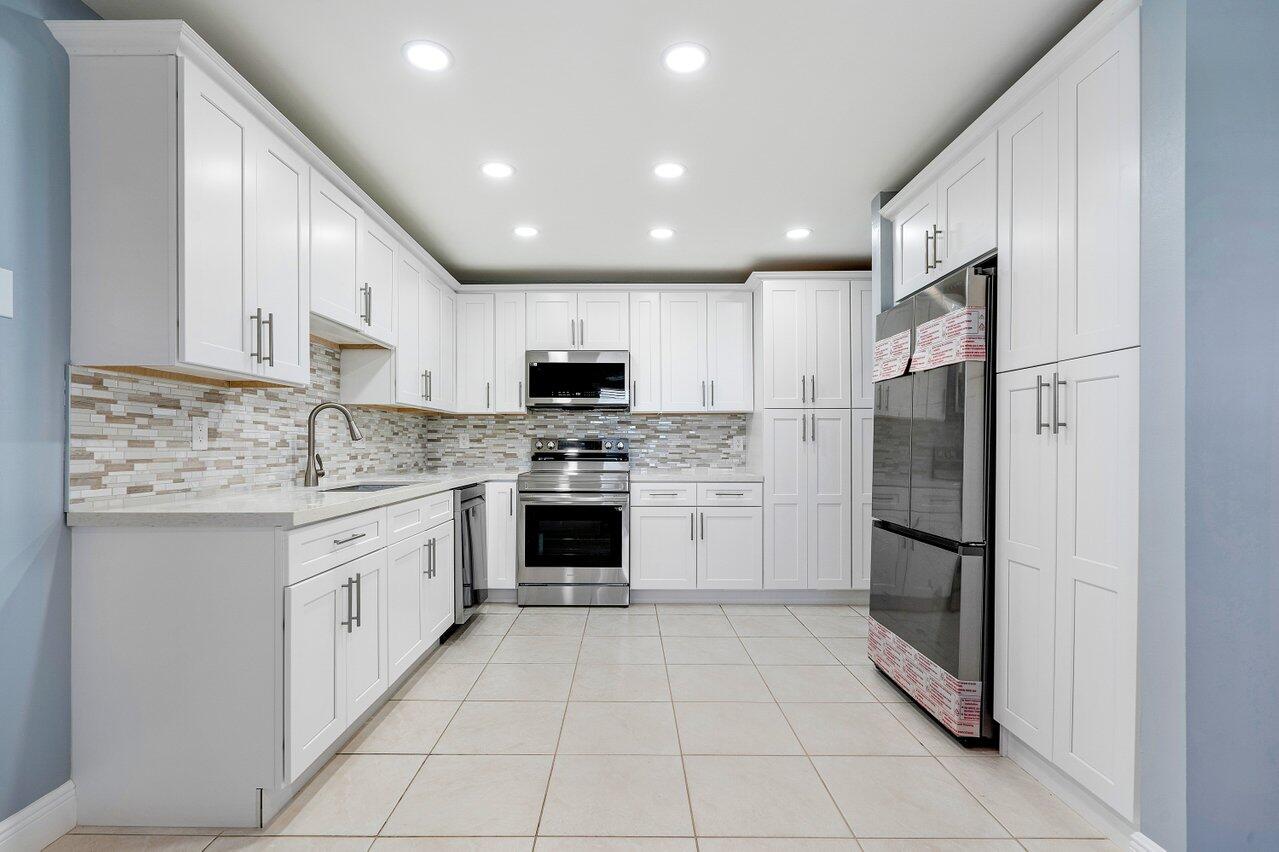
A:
{"x": 475, "y": 355}
{"x": 190, "y": 242}
{"x": 354, "y": 266}
{"x": 377, "y": 281}
{"x": 707, "y": 351}
{"x": 509, "y": 355}
{"x": 578, "y": 320}
{"x": 947, "y": 223}
{"x": 646, "y": 352}
{"x": 807, "y": 347}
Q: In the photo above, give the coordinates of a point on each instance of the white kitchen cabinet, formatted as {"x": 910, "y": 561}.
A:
{"x": 1027, "y": 273}
{"x": 808, "y": 537}
{"x": 863, "y": 447}
{"x": 410, "y": 368}
{"x": 1095, "y": 695}
{"x": 966, "y": 208}
{"x": 335, "y": 240}
{"x": 808, "y": 339}
{"x": 603, "y": 320}
{"x": 915, "y": 232}
{"x": 1025, "y": 555}
{"x": 683, "y": 329}
{"x": 476, "y": 353}
{"x": 1099, "y": 215}
{"x": 367, "y": 669}
{"x": 663, "y": 547}
{"x": 730, "y": 351}
{"x": 729, "y": 554}
{"x": 440, "y": 580}
{"x": 509, "y": 340}
{"x": 315, "y": 704}
{"x": 282, "y": 253}
{"x": 646, "y": 352}
{"x": 377, "y": 281}
{"x": 552, "y": 320}
{"x": 500, "y": 531}
{"x": 406, "y": 603}
{"x": 443, "y": 379}
{"x": 863, "y": 341}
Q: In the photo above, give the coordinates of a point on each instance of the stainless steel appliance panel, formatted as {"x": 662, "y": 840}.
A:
{"x": 577, "y": 538}
{"x": 577, "y": 378}
{"x": 470, "y": 554}
{"x": 890, "y": 468}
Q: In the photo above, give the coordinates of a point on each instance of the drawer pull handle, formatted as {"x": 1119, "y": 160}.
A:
{"x": 663, "y": 494}
{"x": 730, "y": 493}
{"x": 349, "y": 539}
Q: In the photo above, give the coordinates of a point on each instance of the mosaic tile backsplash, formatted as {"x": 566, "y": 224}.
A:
{"x": 131, "y": 436}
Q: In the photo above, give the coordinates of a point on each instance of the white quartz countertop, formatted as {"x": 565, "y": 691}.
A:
{"x": 695, "y": 474}
{"x": 281, "y": 507}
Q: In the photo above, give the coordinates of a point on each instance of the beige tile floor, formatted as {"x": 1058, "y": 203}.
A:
{"x": 659, "y": 727}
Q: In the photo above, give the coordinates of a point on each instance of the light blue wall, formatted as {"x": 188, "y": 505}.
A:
{"x": 35, "y": 599}
{"x": 1232, "y": 423}
{"x": 1161, "y": 762}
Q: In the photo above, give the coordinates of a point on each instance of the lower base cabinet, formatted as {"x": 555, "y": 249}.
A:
{"x": 730, "y": 552}
{"x": 500, "y": 532}
{"x": 663, "y": 547}
{"x": 698, "y": 546}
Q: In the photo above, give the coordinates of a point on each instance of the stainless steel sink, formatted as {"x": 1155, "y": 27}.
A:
{"x": 368, "y": 486}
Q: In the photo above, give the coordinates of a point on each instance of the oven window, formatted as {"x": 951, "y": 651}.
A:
{"x": 577, "y": 380}
{"x": 573, "y": 536}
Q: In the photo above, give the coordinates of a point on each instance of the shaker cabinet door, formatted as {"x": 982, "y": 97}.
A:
{"x": 684, "y": 352}
{"x": 335, "y": 238}
{"x": 966, "y": 208}
{"x": 475, "y": 353}
{"x": 552, "y": 321}
{"x": 646, "y": 352}
{"x": 663, "y": 548}
{"x": 282, "y": 275}
{"x": 406, "y": 638}
{"x": 830, "y": 550}
{"x": 315, "y": 708}
{"x": 377, "y": 281}
{"x": 729, "y": 351}
{"x": 785, "y": 332}
{"x": 509, "y": 343}
{"x": 913, "y": 232}
{"x": 786, "y": 498}
{"x": 603, "y": 321}
{"x": 730, "y": 547}
{"x": 367, "y": 669}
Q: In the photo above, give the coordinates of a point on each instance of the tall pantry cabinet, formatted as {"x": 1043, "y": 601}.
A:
{"x": 813, "y": 368}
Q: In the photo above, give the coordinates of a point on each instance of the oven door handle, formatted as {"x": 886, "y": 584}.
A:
{"x": 574, "y": 498}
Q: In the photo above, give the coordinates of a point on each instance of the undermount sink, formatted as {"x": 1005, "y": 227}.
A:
{"x": 368, "y": 486}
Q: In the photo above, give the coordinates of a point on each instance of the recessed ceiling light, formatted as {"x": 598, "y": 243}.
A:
{"x": 662, "y": 233}
{"x": 669, "y": 171}
{"x": 498, "y": 170}
{"x": 428, "y": 55}
{"x": 525, "y": 231}
{"x": 685, "y": 57}
{"x": 799, "y": 233}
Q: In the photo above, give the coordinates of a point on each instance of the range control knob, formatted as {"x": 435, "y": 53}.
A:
{"x": 538, "y": 445}
{"x": 621, "y": 445}
{"x": 608, "y": 445}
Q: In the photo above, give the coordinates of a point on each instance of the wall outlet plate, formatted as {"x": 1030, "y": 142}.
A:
{"x": 464, "y": 441}
{"x": 738, "y": 444}
{"x": 199, "y": 433}
{"x": 6, "y": 293}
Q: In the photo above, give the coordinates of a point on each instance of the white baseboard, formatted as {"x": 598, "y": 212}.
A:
{"x": 1141, "y": 843}
{"x": 1119, "y": 830}
{"x": 41, "y": 822}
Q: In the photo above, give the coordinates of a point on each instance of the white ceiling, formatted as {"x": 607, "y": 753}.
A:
{"x": 805, "y": 111}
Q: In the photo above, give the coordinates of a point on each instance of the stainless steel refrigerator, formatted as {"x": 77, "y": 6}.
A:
{"x": 931, "y": 576}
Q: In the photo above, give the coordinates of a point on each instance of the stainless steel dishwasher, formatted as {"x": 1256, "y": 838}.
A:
{"x": 470, "y": 557}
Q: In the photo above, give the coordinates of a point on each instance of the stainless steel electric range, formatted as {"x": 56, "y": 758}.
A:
{"x": 574, "y": 524}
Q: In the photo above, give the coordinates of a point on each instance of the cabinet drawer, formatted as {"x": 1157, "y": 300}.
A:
{"x": 664, "y": 494}
{"x": 730, "y": 494}
{"x": 414, "y": 516}
{"x": 319, "y": 547}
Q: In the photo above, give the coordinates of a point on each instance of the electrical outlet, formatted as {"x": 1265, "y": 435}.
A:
{"x": 738, "y": 443}
{"x": 6, "y": 294}
{"x": 199, "y": 433}
{"x": 464, "y": 441}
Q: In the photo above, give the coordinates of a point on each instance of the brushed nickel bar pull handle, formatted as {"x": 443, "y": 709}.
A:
{"x": 430, "y": 385}
{"x": 511, "y": 494}
{"x": 803, "y": 422}
{"x": 256, "y": 319}
{"x": 803, "y": 389}
{"x": 350, "y": 611}
{"x": 572, "y": 333}
{"x": 692, "y": 527}
{"x": 634, "y": 392}
{"x": 814, "y": 427}
{"x": 927, "y": 263}
{"x": 730, "y": 493}
{"x": 936, "y": 243}
{"x": 488, "y": 395}
{"x": 1040, "y": 384}
{"x": 581, "y": 331}
{"x": 1058, "y": 423}
{"x": 270, "y": 339}
{"x": 349, "y": 539}
{"x": 703, "y": 517}
{"x": 712, "y": 393}
{"x": 359, "y": 600}
{"x": 521, "y": 392}
{"x": 703, "y": 394}
{"x": 812, "y": 387}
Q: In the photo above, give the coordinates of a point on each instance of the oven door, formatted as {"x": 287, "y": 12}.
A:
{"x": 574, "y": 538}
{"x": 578, "y": 379}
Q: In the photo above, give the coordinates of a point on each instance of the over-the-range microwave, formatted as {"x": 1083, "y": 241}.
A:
{"x": 577, "y": 378}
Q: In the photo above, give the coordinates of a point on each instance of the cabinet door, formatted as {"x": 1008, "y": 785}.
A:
{"x": 475, "y": 353}
{"x": 441, "y": 582}
{"x": 499, "y": 514}
{"x": 1025, "y": 555}
{"x": 1094, "y": 723}
{"x": 863, "y": 343}
{"x": 684, "y": 352}
{"x": 314, "y": 668}
{"x": 1099, "y": 216}
{"x": 444, "y": 376}
{"x": 377, "y": 275}
{"x": 786, "y": 499}
{"x": 1027, "y": 279}
{"x": 410, "y": 367}
{"x": 730, "y": 548}
{"x": 283, "y": 275}
{"x": 335, "y": 237}
{"x": 431, "y": 322}
{"x": 913, "y": 243}
{"x": 367, "y": 671}
{"x": 966, "y": 208}
{"x": 603, "y": 321}
{"x": 785, "y": 331}
{"x": 216, "y": 295}
{"x": 510, "y": 323}
{"x": 830, "y": 359}
{"x": 406, "y": 607}
{"x": 830, "y": 521}
{"x": 646, "y": 352}
{"x": 863, "y": 452}
{"x": 552, "y": 321}
{"x": 730, "y": 355}
{"x": 663, "y": 547}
